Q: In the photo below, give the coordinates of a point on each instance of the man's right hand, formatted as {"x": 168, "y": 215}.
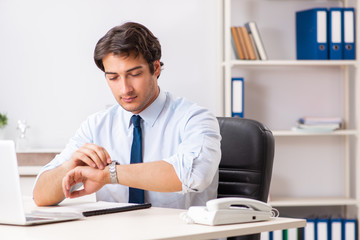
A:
{"x": 89, "y": 154}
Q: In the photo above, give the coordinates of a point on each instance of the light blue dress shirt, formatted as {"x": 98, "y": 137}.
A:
{"x": 173, "y": 129}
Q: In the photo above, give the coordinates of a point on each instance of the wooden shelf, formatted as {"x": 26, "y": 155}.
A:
{"x": 298, "y": 202}
{"x": 272, "y": 63}
{"x": 35, "y": 158}
{"x": 290, "y": 133}
{"x": 29, "y": 170}
{"x": 41, "y": 150}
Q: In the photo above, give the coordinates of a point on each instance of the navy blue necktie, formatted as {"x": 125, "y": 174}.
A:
{"x": 136, "y": 195}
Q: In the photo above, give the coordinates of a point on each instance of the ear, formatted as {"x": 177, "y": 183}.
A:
{"x": 157, "y": 68}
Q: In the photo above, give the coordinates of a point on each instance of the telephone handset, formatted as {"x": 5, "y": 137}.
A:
{"x": 226, "y": 203}
{"x": 230, "y": 210}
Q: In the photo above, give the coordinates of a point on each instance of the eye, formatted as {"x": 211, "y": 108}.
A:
{"x": 135, "y": 74}
{"x": 112, "y": 77}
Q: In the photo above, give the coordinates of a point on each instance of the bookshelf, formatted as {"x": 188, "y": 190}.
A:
{"x": 281, "y": 89}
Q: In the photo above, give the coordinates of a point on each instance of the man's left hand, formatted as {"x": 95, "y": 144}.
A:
{"x": 93, "y": 180}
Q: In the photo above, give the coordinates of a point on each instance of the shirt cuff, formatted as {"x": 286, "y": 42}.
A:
{"x": 182, "y": 172}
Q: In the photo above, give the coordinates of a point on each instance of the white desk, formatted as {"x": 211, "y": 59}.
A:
{"x": 151, "y": 223}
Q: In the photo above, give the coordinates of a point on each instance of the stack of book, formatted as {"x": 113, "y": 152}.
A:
{"x": 318, "y": 124}
{"x": 247, "y": 42}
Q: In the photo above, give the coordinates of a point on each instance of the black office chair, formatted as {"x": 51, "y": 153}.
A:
{"x": 247, "y": 149}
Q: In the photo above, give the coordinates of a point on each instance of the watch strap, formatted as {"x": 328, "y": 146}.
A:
{"x": 113, "y": 175}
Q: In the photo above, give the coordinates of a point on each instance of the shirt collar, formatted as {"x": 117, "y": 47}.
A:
{"x": 151, "y": 113}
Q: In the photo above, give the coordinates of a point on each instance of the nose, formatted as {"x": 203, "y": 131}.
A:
{"x": 125, "y": 87}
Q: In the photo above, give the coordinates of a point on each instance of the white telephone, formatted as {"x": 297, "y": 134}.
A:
{"x": 230, "y": 210}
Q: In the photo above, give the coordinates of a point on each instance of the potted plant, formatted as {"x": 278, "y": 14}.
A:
{"x": 3, "y": 120}
{"x": 3, "y": 123}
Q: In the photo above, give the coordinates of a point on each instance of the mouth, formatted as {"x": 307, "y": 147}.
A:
{"x": 128, "y": 99}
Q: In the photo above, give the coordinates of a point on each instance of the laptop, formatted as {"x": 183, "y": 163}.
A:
{"x": 11, "y": 204}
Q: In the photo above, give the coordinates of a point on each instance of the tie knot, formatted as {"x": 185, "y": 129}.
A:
{"x": 135, "y": 119}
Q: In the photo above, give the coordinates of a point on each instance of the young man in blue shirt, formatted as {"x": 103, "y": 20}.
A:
{"x": 180, "y": 140}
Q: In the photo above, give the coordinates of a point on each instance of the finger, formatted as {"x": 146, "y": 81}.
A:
{"x": 97, "y": 153}
{"x": 92, "y": 152}
{"x": 105, "y": 156}
{"x": 65, "y": 186}
{"x": 81, "y": 156}
{"x": 68, "y": 182}
{"x": 102, "y": 153}
{"x": 76, "y": 194}
{"x": 70, "y": 179}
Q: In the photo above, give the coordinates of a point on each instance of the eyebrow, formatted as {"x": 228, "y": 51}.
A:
{"x": 129, "y": 70}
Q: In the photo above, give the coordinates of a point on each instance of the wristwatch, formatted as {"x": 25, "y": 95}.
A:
{"x": 112, "y": 170}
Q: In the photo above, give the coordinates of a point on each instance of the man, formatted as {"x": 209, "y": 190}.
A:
{"x": 179, "y": 141}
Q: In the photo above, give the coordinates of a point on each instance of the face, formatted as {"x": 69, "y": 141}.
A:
{"x": 131, "y": 82}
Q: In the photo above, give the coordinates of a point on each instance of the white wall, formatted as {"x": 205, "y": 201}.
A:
{"x": 47, "y": 74}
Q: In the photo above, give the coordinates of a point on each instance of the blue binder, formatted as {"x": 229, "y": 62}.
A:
{"x": 348, "y": 33}
{"x": 276, "y": 235}
{"x": 322, "y": 229}
{"x": 310, "y": 230}
{"x": 237, "y": 97}
{"x": 349, "y": 229}
{"x": 335, "y": 33}
{"x": 311, "y": 34}
{"x": 335, "y": 229}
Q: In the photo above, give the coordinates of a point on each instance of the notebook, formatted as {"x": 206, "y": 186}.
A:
{"x": 92, "y": 209}
{"x": 11, "y": 204}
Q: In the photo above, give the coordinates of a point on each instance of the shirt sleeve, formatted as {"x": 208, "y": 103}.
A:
{"x": 82, "y": 136}
{"x": 197, "y": 159}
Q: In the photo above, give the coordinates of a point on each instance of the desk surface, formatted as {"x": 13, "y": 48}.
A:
{"x": 151, "y": 223}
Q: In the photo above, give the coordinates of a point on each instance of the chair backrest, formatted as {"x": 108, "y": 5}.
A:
{"x": 245, "y": 169}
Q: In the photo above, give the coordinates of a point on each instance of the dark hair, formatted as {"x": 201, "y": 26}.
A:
{"x": 126, "y": 39}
